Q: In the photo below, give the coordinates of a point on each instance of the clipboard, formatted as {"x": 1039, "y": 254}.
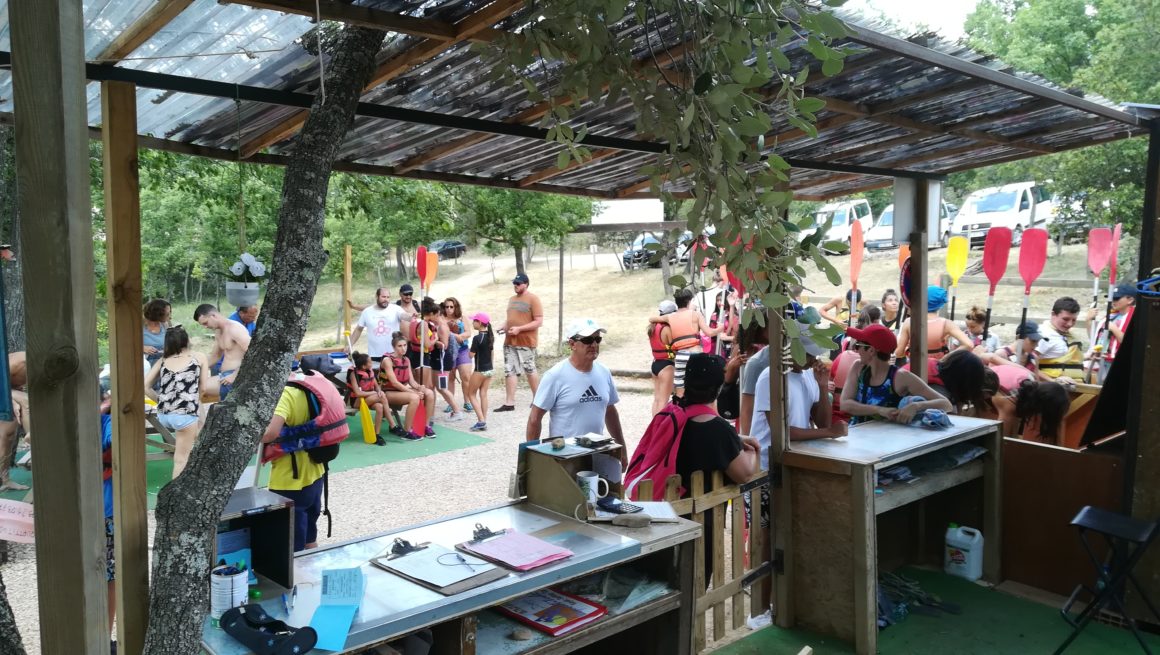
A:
{"x": 543, "y": 551}
{"x": 432, "y": 565}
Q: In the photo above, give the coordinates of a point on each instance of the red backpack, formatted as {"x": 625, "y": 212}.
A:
{"x": 655, "y": 457}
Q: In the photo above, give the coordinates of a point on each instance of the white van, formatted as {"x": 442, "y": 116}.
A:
{"x": 842, "y": 216}
{"x": 881, "y": 236}
{"x": 1018, "y": 206}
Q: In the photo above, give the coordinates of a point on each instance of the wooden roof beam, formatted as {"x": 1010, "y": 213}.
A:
{"x": 551, "y": 171}
{"x": 880, "y": 184}
{"x": 471, "y": 26}
{"x": 533, "y": 113}
{"x": 377, "y": 19}
{"x": 141, "y": 30}
{"x": 904, "y": 102}
{"x": 931, "y": 57}
{"x": 864, "y": 111}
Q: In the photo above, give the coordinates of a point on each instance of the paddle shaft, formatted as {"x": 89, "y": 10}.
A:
{"x": 987, "y": 321}
{"x": 954, "y": 289}
{"x": 1022, "y": 320}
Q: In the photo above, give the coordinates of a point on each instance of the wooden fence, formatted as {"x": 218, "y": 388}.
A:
{"x": 727, "y": 586}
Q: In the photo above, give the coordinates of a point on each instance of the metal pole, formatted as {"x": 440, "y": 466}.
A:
{"x": 560, "y": 292}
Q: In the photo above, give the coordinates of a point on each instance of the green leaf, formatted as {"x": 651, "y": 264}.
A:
{"x": 703, "y": 84}
{"x": 678, "y": 281}
{"x": 563, "y": 158}
{"x": 832, "y": 67}
{"x": 688, "y": 115}
{"x": 826, "y": 267}
{"x": 797, "y": 350}
{"x": 811, "y": 105}
{"x": 835, "y": 246}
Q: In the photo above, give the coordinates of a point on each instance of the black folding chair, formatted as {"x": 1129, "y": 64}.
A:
{"x": 1127, "y": 538}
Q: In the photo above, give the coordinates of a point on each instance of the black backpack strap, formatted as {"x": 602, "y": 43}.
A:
{"x": 326, "y": 499}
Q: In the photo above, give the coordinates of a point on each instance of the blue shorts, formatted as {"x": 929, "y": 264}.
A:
{"x": 176, "y": 421}
{"x": 223, "y": 388}
{"x": 307, "y": 509}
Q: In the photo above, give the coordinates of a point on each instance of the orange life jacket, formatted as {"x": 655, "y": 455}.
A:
{"x": 660, "y": 350}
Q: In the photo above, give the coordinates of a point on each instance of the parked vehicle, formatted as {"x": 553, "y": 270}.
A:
{"x": 448, "y": 249}
{"x": 841, "y": 216}
{"x": 639, "y": 255}
{"x": 1018, "y": 206}
{"x": 881, "y": 236}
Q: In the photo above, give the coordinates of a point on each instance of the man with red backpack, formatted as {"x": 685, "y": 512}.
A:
{"x": 699, "y": 438}
{"x": 303, "y": 436}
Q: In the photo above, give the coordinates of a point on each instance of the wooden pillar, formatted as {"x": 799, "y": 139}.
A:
{"x": 919, "y": 266}
{"x": 780, "y": 527}
{"x": 346, "y": 292}
{"x": 123, "y": 255}
{"x": 1142, "y": 456}
{"x": 48, "y": 79}
{"x": 560, "y": 296}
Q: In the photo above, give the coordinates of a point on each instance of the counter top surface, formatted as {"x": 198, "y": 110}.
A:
{"x": 881, "y": 443}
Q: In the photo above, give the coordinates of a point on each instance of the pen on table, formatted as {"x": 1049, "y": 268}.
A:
{"x": 463, "y": 561}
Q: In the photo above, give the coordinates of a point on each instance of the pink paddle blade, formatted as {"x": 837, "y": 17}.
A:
{"x": 1114, "y": 254}
{"x": 1032, "y": 256}
{"x": 996, "y": 250}
{"x": 1099, "y": 249}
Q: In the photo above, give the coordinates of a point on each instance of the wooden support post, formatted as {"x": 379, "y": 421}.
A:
{"x": 346, "y": 289}
{"x": 123, "y": 256}
{"x": 919, "y": 267}
{"x": 560, "y": 296}
{"x": 1142, "y": 456}
{"x": 48, "y": 79}
{"x": 780, "y": 535}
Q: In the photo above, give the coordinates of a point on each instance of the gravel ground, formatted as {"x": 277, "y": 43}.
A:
{"x": 374, "y": 499}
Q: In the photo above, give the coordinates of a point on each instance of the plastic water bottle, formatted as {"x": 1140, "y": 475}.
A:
{"x": 963, "y": 555}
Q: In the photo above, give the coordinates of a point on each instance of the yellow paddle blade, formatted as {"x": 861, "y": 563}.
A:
{"x": 368, "y": 425}
{"x": 957, "y": 249}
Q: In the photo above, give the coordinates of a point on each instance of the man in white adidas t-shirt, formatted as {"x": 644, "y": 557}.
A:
{"x": 580, "y": 397}
{"x": 380, "y": 320}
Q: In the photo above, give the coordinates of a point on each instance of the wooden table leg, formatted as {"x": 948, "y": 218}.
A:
{"x": 686, "y": 562}
{"x": 455, "y": 637}
{"x": 864, "y": 538}
{"x": 993, "y": 508}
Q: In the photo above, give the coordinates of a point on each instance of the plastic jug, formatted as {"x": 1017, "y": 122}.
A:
{"x": 963, "y": 555}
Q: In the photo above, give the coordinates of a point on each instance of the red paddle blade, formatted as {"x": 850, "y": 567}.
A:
{"x": 421, "y": 263}
{"x": 1099, "y": 249}
{"x": 1032, "y": 256}
{"x": 1115, "y": 254}
{"x": 996, "y": 250}
{"x": 855, "y": 252}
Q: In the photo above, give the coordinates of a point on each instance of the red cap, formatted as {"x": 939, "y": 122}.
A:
{"x": 878, "y": 336}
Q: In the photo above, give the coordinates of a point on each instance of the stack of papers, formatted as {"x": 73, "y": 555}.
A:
{"x": 342, "y": 592}
{"x": 442, "y": 569}
{"x": 516, "y": 550}
{"x": 554, "y": 612}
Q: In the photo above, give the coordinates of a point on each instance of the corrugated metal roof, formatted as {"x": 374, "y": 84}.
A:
{"x": 880, "y": 102}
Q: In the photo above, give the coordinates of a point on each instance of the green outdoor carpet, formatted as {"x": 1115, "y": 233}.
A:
{"x": 354, "y": 454}
{"x": 991, "y": 622}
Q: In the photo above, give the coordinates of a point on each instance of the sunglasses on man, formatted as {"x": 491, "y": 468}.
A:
{"x": 589, "y": 340}
{"x": 860, "y": 346}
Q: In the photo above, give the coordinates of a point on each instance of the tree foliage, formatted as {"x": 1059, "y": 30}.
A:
{"x": 518, "y": 218}
{"x": 712, "y": 108}
{"x": 1094, "y": 45}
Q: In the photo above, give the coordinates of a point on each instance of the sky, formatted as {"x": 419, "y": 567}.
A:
{"x": 944, "y": 16}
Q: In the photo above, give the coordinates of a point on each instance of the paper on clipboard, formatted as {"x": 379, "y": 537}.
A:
{"x": 442, "y": 569}
{"x": 660, "y": 512}
{"x": 516, "y": 550}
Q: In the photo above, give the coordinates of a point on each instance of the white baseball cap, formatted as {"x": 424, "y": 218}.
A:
{"x": 582, "y": 327}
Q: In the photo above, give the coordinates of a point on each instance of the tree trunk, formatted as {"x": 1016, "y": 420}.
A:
{"x": 13, "y": 270}
{"x": 189, "y": 507}
{"x": 400, "y": 262}
{"x": 519, "y": 248}
{"x": 10, "y": 643}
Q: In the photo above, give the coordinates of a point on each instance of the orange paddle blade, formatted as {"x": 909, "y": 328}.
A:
{"x": 903, "y": 254}
{"x": 432, "y": 269}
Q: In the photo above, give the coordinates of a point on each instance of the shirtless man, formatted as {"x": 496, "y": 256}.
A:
{"x": 10, "y": 430}
{"x": 230, "y": 343}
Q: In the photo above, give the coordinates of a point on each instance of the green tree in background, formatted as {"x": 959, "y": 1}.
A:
{"x": 1098, "y": 46}
{"x": 518, "y": 218}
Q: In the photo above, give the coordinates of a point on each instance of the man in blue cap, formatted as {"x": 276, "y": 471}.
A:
{"x": 1110, "y": 333}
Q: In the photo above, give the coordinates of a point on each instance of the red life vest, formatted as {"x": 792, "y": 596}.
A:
{"x": 414, "y": 339}
{"x": 402, "y": 367}
{"x": 321, "y": 434}
{"x": 660, "y": 349}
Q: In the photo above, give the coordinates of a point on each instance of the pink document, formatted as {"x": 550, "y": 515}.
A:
{"x": 517, "y": 551}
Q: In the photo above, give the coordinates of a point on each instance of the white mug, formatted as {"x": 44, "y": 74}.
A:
{"x": 590, "y": 482}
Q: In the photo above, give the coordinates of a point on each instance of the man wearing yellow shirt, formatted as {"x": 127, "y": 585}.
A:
{"x": 306, "y": 489}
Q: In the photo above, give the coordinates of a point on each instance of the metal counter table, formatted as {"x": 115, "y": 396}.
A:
{"x": 393, "y": 606}
{"x": 832, "y": 556}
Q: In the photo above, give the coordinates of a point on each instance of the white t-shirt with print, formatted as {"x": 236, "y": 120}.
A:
{"x": 802, "y": 393}
{"x": 380, "y": 324}
{"x": 575, "y": 400}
